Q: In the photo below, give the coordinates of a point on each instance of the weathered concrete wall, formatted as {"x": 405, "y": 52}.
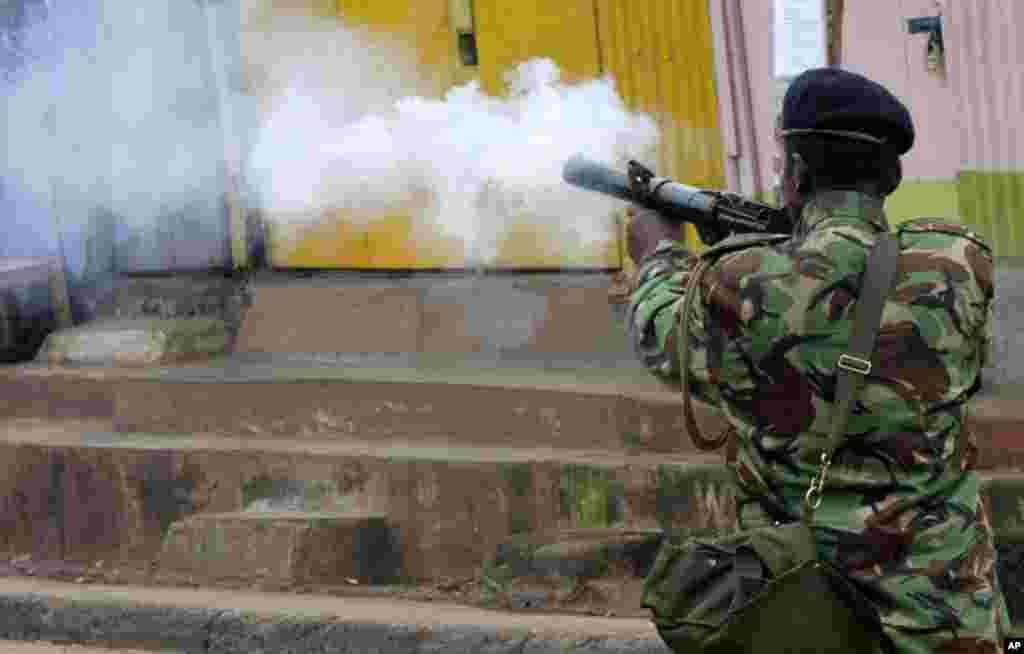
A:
{"x": 547, "y": 315}
{"x": 86, "y": 503}
{"x": 1006, "y": 363}
{"x": 180, "y": 296}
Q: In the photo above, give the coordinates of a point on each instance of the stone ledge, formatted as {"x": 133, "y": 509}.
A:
{"x": 137, "y": 342}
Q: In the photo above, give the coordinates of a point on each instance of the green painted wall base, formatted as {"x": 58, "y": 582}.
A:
{"x": 916, "y": 199}
{"x": 990, "y": 202}
{"x": 993, "y": 203}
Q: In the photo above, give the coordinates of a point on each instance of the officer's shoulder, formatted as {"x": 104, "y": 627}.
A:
{"x": 739, "y": 242}
{"x": 943, "y": 229}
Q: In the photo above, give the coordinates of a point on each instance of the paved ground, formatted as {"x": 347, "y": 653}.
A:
{"x": 21, "y": 647}
{"x": 219, "y": 622}
{"x": 365, "y": 610}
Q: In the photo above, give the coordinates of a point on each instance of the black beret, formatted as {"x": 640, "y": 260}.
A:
{"x": 825, "y": 100}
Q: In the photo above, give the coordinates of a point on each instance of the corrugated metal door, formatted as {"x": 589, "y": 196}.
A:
{"x": 661, "y": 55}
{"x": 565, "y": 32}
{"x": 338, "y": 238}
{"x": 510, "y": 33}
{"x": 395, "y": 240}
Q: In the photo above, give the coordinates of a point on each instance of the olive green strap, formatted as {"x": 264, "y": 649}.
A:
{"x": 734, "y": 243}
{"x": 854, "y": 366}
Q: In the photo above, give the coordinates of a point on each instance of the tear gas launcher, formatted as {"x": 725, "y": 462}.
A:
{"x": 715, "y": 214}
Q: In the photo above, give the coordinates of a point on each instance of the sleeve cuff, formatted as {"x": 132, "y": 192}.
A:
{"x": 667, "y": 256}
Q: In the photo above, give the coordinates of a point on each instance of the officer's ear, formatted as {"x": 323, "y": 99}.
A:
{"x": 800, "y": 172}
{"x": 892, "y": 176}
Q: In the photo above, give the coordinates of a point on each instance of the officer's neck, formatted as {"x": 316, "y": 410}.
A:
{"x": 859, "y": 203}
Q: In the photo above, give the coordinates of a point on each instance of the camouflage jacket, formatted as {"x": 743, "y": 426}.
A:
{"x": 901, "y": 509}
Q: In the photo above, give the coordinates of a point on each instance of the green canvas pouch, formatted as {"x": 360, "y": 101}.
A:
{"x": 723, "y": 595}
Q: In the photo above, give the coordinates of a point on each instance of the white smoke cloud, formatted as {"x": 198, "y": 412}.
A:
{"x": 346, "y": 134}
{"x": 133, "y": 110}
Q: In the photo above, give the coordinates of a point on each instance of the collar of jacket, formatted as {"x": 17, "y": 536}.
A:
{"x": 848, "y": 205}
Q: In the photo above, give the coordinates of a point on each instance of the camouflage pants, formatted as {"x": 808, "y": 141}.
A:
{"x": 956, "y": 579}
{"x": 919, "y": 642}
{"x": 983, "y": 615}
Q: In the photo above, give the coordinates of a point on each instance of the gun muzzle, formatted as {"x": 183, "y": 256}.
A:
{"x": 580, "y": 171}
{"x": 672, "y": 199}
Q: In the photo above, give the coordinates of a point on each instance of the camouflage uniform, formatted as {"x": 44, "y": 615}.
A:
{"x": 901, "y": 511}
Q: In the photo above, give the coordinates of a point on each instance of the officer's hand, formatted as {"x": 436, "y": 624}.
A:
{"x": 646, "y": 228}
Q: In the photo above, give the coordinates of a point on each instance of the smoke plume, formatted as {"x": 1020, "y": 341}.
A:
{"x": 348, "y": 131}
{"x": 122, "y": 122}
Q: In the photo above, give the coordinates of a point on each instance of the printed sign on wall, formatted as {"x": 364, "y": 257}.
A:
{"x": 799, "y": 36}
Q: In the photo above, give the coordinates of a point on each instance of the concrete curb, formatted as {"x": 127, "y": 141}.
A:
{"x": 31, "y": 617}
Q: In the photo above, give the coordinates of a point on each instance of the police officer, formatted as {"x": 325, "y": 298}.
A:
{"x": 901, "y": 512}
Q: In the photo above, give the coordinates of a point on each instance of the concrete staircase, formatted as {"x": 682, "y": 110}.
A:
{"x": 525, "y": 489}
{"x": 200, "y": 462}
{"x": 535, "y": 479}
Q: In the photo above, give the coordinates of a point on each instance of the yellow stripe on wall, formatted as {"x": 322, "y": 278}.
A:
{"x": 661, "y": 55}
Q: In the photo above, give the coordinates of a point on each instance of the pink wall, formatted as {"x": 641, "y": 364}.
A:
{"x": 985, "y": 57}
{"x": 877, "y": 44}
{"x": 752, "y": 16}
{"x": 969, "y": 118}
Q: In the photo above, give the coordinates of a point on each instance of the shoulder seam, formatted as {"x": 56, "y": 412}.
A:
{"x": 942, "y": 227}
{"x": 743, "y": 242}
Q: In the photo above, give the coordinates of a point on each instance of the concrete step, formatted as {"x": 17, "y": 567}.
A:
{"x": 223, "y": 622}
{"x": 618, "y": 410}
{"x": 615, "y": 410}
{"x": 513, "y": 528}
{"x": 602, "y": 571}
{"x": 281, "y": 549}
{"x": 597, "y": 571}
{"x": 72, "y": 491}
{"x": 550, "y": 315}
